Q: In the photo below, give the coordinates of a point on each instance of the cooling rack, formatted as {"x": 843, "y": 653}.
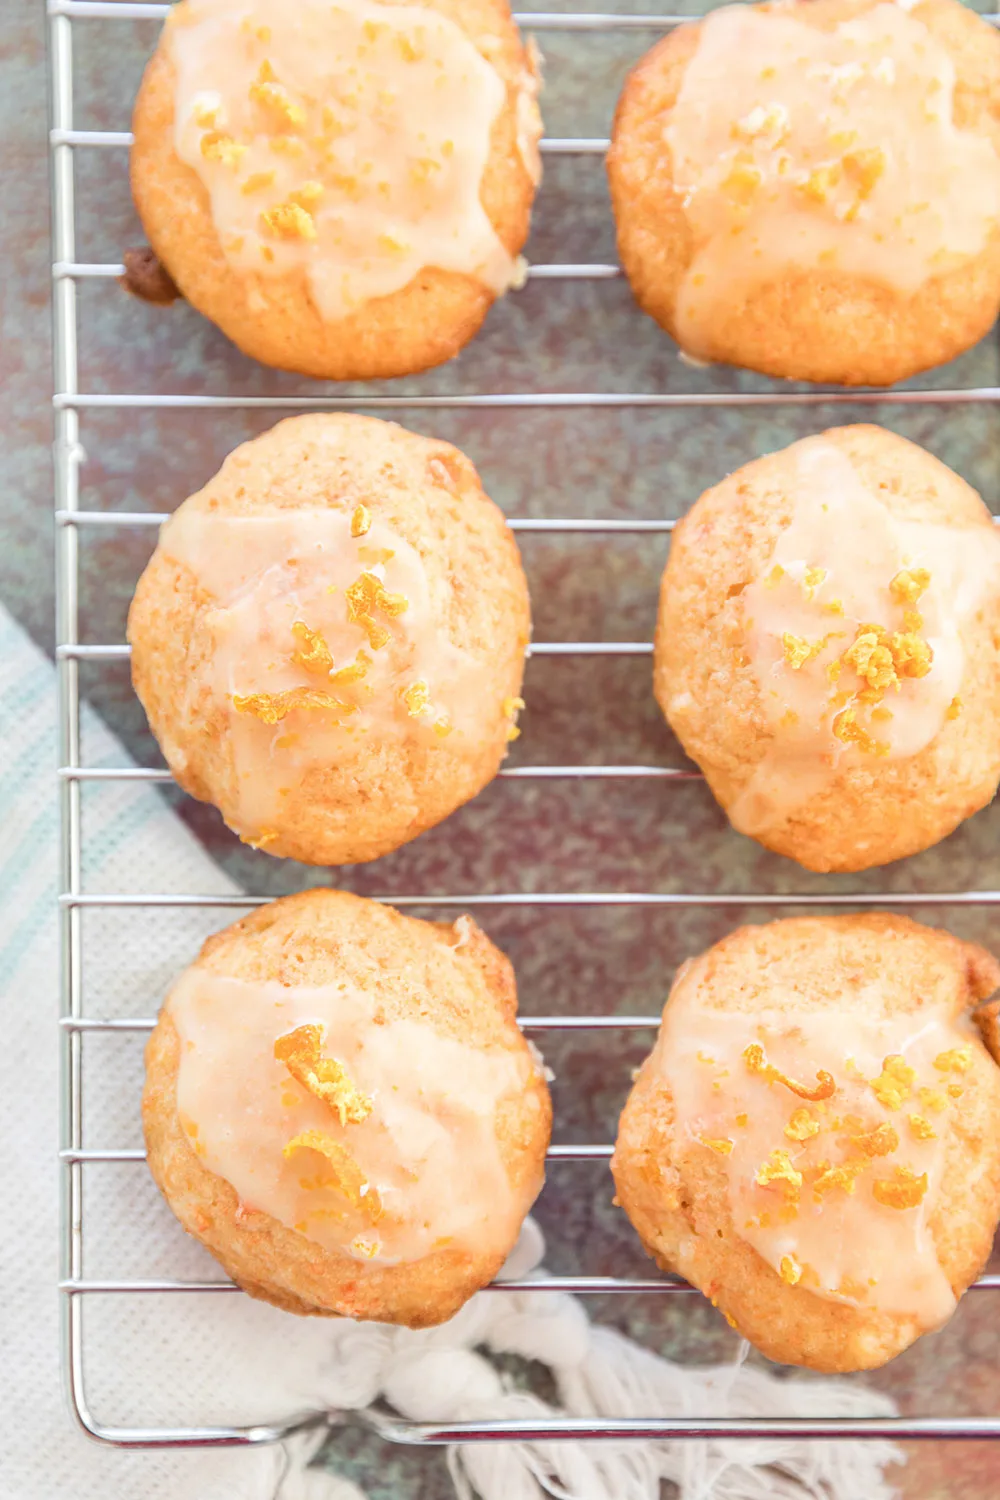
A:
{"x": 71, "y": 406}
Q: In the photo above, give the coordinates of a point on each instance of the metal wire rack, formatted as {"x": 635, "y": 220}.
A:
{"x": 69, "y": 402}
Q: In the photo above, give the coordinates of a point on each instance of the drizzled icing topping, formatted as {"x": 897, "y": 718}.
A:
{"x": 854, "y": 633}
{"x": 834, "y": 149}
{"x": 834, "y": 1184}
{"x": 348, "y": 142}
{"x": 371, "y": 1136}
{"x": 324, "y": 636}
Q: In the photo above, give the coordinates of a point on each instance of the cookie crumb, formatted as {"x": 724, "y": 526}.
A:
{"x": 147, "y": 278}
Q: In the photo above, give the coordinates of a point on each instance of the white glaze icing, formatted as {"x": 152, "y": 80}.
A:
{"x": 836, "y": 1237}
{"x": 845, "y": 539}
{"x": 427, "y": 1151}
{"x": 796, "y": 147}
{"x": 271, "y": 579}
{"x": 347, "y": 143}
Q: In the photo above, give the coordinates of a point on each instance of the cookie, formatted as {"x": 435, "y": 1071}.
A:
{"x": 343, "y": 189}
{"x": 828, "y": 648}
{"x": 814, "y": 1141}
{"x": 812, "y": 190}
{"x": 339, "y": 1104}
{"x": 329, "y": 639}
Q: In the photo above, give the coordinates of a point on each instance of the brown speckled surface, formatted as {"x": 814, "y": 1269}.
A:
{"x": 612, "y": 836}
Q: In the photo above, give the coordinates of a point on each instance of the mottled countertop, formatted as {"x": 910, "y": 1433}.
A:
{"x": 528, "y": 835}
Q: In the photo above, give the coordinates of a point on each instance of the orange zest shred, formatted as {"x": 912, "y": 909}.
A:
{"x": 956, "y": 1060}
{"x": 847, "y": 729}
{"x": 256, "y": 182}
{"x": 850, "y": 1287}
{"x": 904, "y": 1190}
{"x": 307, "y": 195}
{"x": 871, "y": 658}
{"x": 325, "y": 1077}
{"x": 912, "y": 654}
{"x": 801, "y": 1126}
{"x": 882, "y": 659}
{"x": 366, "y": 595}
{"x": 936, "y": 1100}
{"x": 756, "y": 1061}
{"x": 354, "y": 670}
{"x": 798, "y": 650}
{"x": 312, "y": 654}
{"x": 894, "y": 1084}
{"x": 881, "y": 1141}
{"x": 216, "y": 146}
{"x": 273, "y": 97}
{"x": 789, "y": 1270}
{"x": 909, "y": 584}
{"x": 365, "y": 1248}
{"x": 417, "y": 699}
{"x": 722, "y": 1147}
{"x": 261, "y": 840}
{"x": 842, "y": 1176}
{"x": 511, "y": 707}
{"x": 778, "y": 1169}
{"x": 289, "y": 221}
{"x": 348, "y": 1177}
{"x": 272, "y": 708}
{"x": 863, "y": 170}
{"x": 286, "y": 145}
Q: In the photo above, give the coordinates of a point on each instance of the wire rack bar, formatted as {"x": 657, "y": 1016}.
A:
{"x": 527, "y": 525}
{"x": 68, "y": 455}
{"x": 86, "y": 271}
{"x": 586, "y": 1286}
{"x": 511, "y": 773}
{"x": 425, "y": 1434}
{"x": 667, "y": 1429}
{"x": 542, "y": 899}
{"x": 119, "y": 10}
{"x": 526, "y": 1023}
{"x": 548, "y": 145}
{"x": 520, "y": 400}
{"x": 119, "y": 651}
{"x": 123, "y": 1155}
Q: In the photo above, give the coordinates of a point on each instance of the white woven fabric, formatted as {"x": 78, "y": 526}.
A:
{"x": 154, "y": 1360}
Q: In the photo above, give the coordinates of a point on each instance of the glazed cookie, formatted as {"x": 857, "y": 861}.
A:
{"x": 812, "y": 190}
{"x": 343, "y": 189}
{"x": 814, "y": 1141}
{"x": 828, "y": 648}
{"x": 329, "y": 639}
{"x": 339, "y": 1104}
